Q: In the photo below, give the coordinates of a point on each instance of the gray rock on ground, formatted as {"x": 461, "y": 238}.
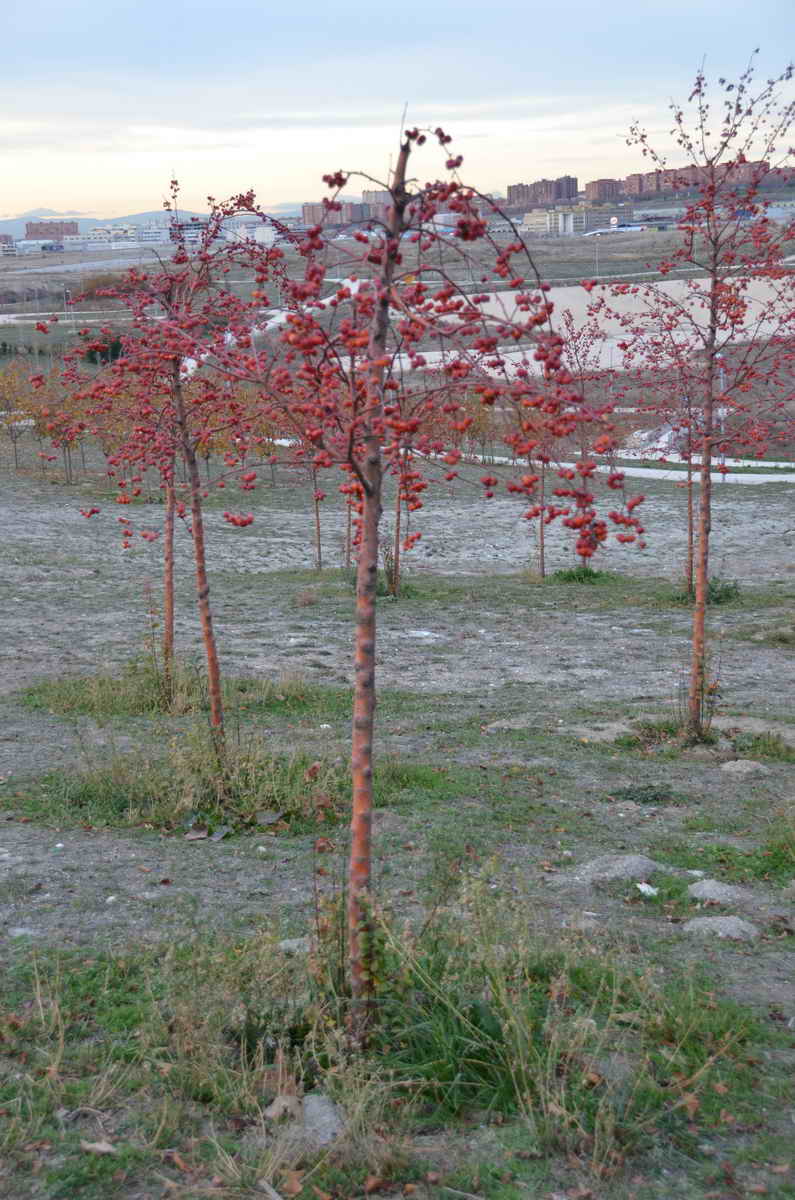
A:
{"x": 297, "y": 945}
{"x": 719, "y": 893}
{"x": 323, "y": 1122}
{"x": 610, "y": 867}
{"x": 734, "y": 929}
{"x": 740, "y": 767}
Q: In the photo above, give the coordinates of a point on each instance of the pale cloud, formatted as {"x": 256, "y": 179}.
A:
{"x": 103, "y": 112}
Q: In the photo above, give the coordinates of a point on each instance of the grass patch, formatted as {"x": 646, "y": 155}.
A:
{"x": 137, "y": 690}
{"x": 671, "y": 899}
{"x": 764, "y": 745}
{"x": 580, "y": 574}
{"x": 646, "y": 793}
{"x": 719, "y": 591}
{"x": 185, "y": 788}
{"x": 772, "y": 862}
{"x": 652, "y": 735}
{"x": 172, "y": 1055}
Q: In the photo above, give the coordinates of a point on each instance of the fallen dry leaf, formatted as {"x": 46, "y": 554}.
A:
{"x": 173, "y": 1156}
{"x": 691, "y": 1103}
{"x": 97, "y": 1147}
{"x": 372, "y": 1183}
{"x": 629, "y": 1018}
{"x": 293, "y": 1182}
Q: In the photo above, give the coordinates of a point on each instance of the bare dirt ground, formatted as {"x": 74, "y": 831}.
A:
{"x": 502, "y": 669}
{"x": 521, "y": 688}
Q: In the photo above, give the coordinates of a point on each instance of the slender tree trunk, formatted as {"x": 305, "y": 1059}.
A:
{"x": 318, "y": 542}
{"x": 359, "y": 916}
{"x": 695, "y": 701}
{"x": 348, "y": 536}
{"x": 690, "y": 530}
{"x": 168, "y": 590}
{"x": 191, "y": 466}
{"x": 359, "y": 897}
{"x": 396, "y": 550}
{"x": 542, "y": 568}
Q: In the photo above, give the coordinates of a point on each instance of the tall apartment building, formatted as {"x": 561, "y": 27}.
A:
{"x": 49, "y": 231}
{"x": 312, "y": 214}
{"x": 542, "y": 191}
{"x": 379, "y": 204}
{"x": 566, "y": 187}
{"x": 676, "y": 179}
{"x": 602, "y": 191}
{"x": 349, "y": 213}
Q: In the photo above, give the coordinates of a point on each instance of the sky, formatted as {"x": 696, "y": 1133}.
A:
{"x": 101, "y": 104}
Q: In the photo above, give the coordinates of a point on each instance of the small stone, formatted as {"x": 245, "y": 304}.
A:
{"x": 733, "y": 928}
{"x": 18, "y": 931}
{"x": 323, "y": 1122}
{"x": 528, "y": 721}
{"x": 740, "y": 767}
{"x": 299, "y": 945}
{"x": 699, "y": 754}
{"x": 617, "y": 1068}
{"x": 611, "y": 867}
{"x": 581, "y": 923}
{"x": 719, "y": 893}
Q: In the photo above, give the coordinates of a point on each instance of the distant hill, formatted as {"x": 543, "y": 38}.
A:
{"x": 16, "y": 225}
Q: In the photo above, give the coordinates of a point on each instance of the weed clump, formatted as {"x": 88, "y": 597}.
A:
{"x": 719, "y": 591}
{"x": 580, "y": 574}
{"x": 646, "y": 793}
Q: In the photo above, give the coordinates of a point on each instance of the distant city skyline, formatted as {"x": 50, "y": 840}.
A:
{"x": 94, "y": 120}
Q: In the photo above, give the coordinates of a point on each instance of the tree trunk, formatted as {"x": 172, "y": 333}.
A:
{"x": 542, "y": 569}
{"x": 359, "y": 916}
{"x": 168, "y": 591}
{"x": 395, "y": 582}
{"x": 348, "y": 536}
{"x": 360, "y": 942}
{"x": 690, "y": 530}
{"x": 202, "y": 585}
{"x": 318, "y": 542}
{"x": 698, "y": 664}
